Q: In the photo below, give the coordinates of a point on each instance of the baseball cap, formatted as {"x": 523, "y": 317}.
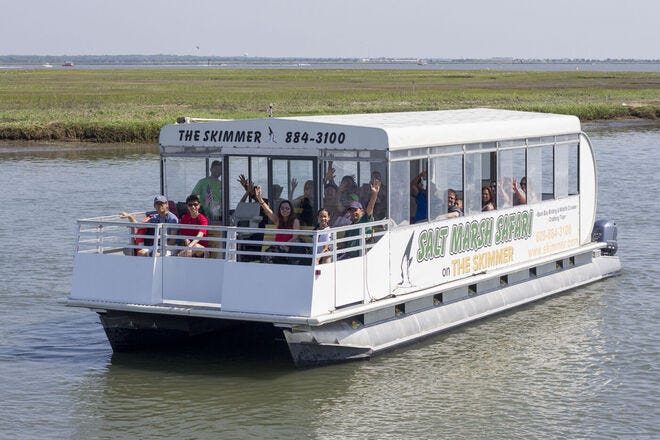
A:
{"x": 160, "y": 199}
{"x": 355, "y": 205}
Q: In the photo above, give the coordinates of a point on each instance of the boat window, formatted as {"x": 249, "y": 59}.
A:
{"x": 449, "y": 149}
{"x": 516, "y": 143}
{"x": 561, "y": 171}
{"x": 510, "y": 168}
{"x": 410, "y": 154}
{"x": 400, "y": 199}
{"x": 293, "y": 180}
{"x": 534, "y": 175}
{"x": 254, "y": 169}
{"x": 573, "y": 167}
{"x": 484, "y": 146}
{"x": 547, "y": 170}
{"x": 353, "y": 174}
{"x": 183, "y": 174}
{"x": 480, "y": 173}
{"x": 446, "y": 174}
{"x": 420, "y": 190}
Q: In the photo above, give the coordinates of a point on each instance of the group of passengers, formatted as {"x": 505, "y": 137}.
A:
{"x": 419, "y": 193}
{"x": 194, "y": 243}
{"x": 211, "y": 189}
{"x": 489, "y": 198}
{"x": 342, "y": 206}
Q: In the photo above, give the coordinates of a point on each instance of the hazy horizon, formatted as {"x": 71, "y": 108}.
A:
{"x": 474, "y": 29}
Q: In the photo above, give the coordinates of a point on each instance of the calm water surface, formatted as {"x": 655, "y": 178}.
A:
{"x": 579, "y": 365}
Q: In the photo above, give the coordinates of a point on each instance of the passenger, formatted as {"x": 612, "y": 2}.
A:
{"x": 487, "y": 199}
{"x": 276, "y": 197}
{"x": 345, "y": 218}
{"x": 283, "y": 220}
{"x": 380, "y": 209}
{"x": 418, "y": 190}
{"x": 323, "y": 225}
{"x": 306, "y": 215}
{"x": 249, "y": 194}
{"x": 303, "y": 205}
{"x": 358, "y": 215}
{"x": 365, "y": 194}
{"x": 348, "y": 190}
{"x": 209, "y": 190}
{"x": 308, "y": 192}
{"x": 493, "y": 193}
{"x": 163, "y": 215}
{"x": 193, "y": 217}
{"x": 453, "y": 207}
{"x": 331, "y": 201}
{"x": 520, "y": 194}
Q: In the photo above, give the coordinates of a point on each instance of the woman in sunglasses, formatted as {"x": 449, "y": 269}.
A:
{"x": 284, "y": 219}
{"x": 196, "y": 246}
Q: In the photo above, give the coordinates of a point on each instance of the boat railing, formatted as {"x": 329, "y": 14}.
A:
{"x": 115, "y": 236}
{"x": 242, "y": 269}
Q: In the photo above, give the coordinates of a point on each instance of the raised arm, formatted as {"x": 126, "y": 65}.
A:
{"x": 247, "y": 185}
{"x": 375, "y": 188}
{"x": 264, "y": 205}
{"x": 330, "y": 174}
{"x": 128, "y": 216}
{"x": 294, "y": 185}
{"x": 522, "y": 197}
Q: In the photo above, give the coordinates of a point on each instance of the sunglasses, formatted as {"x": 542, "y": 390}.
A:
{"x": 285, "y": 208}
{"x": 192, "y": 205}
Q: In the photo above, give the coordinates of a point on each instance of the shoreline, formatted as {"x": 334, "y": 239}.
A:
{"x": 9, "y": 146}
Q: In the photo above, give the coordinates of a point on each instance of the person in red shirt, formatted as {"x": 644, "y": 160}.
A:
{"x": 193, "y": 217}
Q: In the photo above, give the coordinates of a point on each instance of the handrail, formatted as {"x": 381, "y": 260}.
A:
{"x": 112, "y": 235}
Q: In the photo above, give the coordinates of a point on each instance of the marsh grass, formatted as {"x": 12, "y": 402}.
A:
{"x": 130, "y": 105}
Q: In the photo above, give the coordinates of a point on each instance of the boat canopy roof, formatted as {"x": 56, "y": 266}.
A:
{"x": 306, "y": 135}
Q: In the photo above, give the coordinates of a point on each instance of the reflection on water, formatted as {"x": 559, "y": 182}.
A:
{"x": 580, "y": 365}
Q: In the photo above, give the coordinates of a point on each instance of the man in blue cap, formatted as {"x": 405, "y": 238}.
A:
{"x": 163, "y": 215}
{"x": 360, "y": 215}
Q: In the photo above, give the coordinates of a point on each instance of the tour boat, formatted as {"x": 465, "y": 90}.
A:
{"x": 422, "y": 266}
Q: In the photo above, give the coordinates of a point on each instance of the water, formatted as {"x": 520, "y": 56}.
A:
{"x": 578, "y": 365}
{"x": 622, "y": 66}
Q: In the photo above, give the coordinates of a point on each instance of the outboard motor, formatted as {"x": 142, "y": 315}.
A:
{"x": 605, "y": 231}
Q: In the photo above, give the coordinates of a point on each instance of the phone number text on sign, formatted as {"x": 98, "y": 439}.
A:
{"x": 321, "y": 137}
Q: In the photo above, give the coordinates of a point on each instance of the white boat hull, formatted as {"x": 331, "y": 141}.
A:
{"x": 361, "y": 331}
{"x": 341, "y": 341}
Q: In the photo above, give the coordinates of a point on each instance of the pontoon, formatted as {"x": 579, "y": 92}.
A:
{"x": 411, "y": 273}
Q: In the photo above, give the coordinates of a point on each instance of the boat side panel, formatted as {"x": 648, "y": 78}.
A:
{"x": 267, "y": 288}
{"x": 135, "y": 280}
{"x": 377, "y": 274}
{"x": 193, "y": 279}
{"x": 588, "y": 188}
{"x": 323, "y": 300}
{"x": 429, "y": 254}
{"x": 349, "y": 281}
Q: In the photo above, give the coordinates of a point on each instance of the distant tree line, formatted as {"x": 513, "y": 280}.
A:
{"x": 195, "y": 59}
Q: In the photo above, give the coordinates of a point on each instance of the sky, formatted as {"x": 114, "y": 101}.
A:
{"x": 594, "y": 29}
